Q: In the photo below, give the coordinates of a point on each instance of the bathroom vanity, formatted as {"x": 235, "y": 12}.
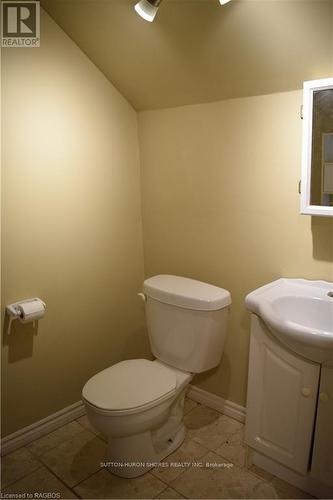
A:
{"x": 289, "y": 422}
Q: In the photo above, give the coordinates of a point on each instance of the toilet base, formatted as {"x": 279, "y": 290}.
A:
{"x": 134, "y": 455}
{"x": 143, "y": 450}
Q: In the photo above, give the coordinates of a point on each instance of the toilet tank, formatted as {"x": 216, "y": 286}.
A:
{"x": 187, "y": 321}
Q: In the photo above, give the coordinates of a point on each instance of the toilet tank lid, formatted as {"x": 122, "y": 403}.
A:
{"x": 186, "y": 293}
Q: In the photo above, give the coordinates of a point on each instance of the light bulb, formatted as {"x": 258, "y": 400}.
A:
{"x": 147, "y": 9}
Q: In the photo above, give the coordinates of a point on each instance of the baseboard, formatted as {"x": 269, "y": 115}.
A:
{"x": 305, "y": 483}
{"x": 217, "y": 403}
{"x": 42, "y": 427}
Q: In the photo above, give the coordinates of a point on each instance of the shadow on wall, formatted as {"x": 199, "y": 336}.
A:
{"x": 137, "y": 342}
{"x": 225, "y": 365}
{"x": 246, "y": 318}
{"x": 322, "y": 238}
{"x": 137, "y": 345}
{"x": 20, "y": 342}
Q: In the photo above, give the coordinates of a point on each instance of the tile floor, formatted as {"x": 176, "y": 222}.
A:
{"x": 67, "y": 462}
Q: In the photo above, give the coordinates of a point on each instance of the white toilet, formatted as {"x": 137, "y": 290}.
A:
{"x": 138, "y": 404}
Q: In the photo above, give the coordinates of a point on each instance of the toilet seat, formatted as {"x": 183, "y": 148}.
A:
{"x": 130, "y": 386}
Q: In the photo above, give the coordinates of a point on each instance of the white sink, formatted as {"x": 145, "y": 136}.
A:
{"x": 299, "y": 313}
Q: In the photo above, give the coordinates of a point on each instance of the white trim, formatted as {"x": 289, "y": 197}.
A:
{"x": 229, "y": 408}
{"x": 76, "y": 410}
{"x": 308, "y": 89}
{"x": 305, "y": 483}
{"x": 42, "y": 427}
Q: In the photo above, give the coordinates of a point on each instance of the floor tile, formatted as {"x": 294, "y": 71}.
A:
{"x": 210, "y": 428}
{"x": 215, "y": 482}
{"x": 180, "y": 460}
{"x": 264, "y": 490}
{"x": 189, "y": 405}
{"x": 234, "y": 448}
{"x": 267, "y": 476}
{"x": 169, "y": 494}
{"x": 40, "y": 481}
{"x": 84, "y": 422}
{"x": 76, "y": 459}
{"x": 74, "y": 454}
{"x": 55, "y": 438}
{"x": 286, "y": 490}
{"x": 16, "y": 465}
{"x": 106, "y": 485}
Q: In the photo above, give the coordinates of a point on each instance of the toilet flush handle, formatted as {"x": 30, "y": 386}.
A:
{"x": 142, "y": 295}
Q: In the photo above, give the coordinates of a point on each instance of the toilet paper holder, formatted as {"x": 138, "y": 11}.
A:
{"x": 25, "y": 311}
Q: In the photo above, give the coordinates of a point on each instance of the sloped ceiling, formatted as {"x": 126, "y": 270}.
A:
{"x": 197, "y": 51}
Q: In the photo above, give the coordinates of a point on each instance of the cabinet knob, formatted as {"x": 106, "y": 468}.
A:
{"x": 323, "y": 397}
{"x": 306, "y": 391}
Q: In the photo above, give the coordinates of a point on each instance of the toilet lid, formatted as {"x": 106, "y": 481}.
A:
{"x": 129, "y": 384}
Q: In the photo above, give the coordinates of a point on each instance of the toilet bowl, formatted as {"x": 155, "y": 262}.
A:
{"x": 138, "y": 404}
{"x": 142, "y": 418}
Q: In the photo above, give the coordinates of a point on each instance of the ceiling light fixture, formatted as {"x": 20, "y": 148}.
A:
{"x": 147, "y": 9}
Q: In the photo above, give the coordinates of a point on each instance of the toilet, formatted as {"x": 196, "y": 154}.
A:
{"x": 138, "y": 404}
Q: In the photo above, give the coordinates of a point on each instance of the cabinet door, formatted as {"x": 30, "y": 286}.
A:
{"x": 281, "y": 400}
{"x": 322, "y": 458}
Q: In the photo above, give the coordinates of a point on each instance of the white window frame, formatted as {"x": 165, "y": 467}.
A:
{"x": 308, "y": 89}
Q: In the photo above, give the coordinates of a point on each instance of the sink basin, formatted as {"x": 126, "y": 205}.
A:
{"x": 299, "y": 313}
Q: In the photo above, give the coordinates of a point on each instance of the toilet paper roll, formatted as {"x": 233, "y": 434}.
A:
{"x": 31, "y": 310}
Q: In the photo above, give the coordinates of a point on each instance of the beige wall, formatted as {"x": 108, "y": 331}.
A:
{"x": 220, "y": 204}
{"x": 197, "y": 51}
{"x": 71, "y": 225}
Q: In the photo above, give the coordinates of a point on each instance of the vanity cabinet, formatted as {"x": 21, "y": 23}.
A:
{"x": 322, "y": 457}
{"x": 281, "y": 401}
{"x": 289, "y": 416}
